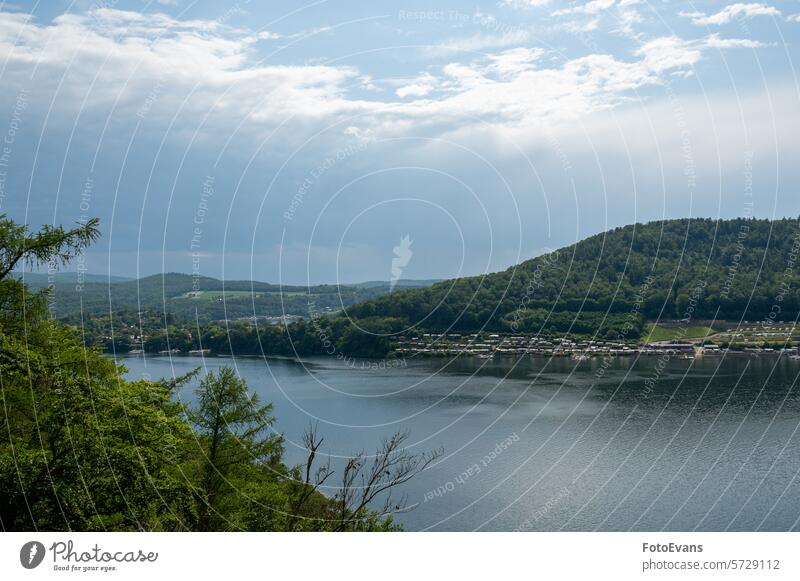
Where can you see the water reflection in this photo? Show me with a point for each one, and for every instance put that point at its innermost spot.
(619, 444)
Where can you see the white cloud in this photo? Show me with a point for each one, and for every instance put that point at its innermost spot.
(793, 18)
(360, 135)
(480, 42)
(419, 87)
(202, 68)
(267, 35)
(621, 13)
(668, 53)
(531, 95)
(525, 3)
(122, 55)
(714, 41)
(577, 27)
(515, 61)
(593, 7)
(727, 14)
(629, 16)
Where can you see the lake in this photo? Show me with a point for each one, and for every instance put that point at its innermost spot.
(552, 444)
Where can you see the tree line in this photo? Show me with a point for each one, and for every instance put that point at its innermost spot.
(604, 287)
(747, 268)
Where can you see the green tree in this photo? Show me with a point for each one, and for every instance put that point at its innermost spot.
(82, 448)
(236, 444)
(51, 244)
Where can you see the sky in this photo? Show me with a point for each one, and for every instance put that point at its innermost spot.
(342, 141)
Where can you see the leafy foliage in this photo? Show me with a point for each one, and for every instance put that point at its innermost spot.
(742, 268)
(82, 448)
(51, 244)
(236, 446)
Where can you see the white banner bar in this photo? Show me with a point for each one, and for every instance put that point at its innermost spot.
(400, 556)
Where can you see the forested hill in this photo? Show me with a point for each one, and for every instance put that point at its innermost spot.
(75, 298)
(703, 268)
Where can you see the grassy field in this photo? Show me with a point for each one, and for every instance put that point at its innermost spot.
(658, 333)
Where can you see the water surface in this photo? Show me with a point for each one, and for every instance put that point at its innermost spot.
(551, 444)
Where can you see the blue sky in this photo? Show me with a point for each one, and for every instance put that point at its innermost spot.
(302, 142)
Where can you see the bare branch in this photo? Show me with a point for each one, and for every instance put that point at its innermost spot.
(309, 486)
(391, 466)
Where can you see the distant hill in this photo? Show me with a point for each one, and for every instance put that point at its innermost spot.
(690, 272)
(695, 268)
(402, 283)
(185, 296)
(40, 280)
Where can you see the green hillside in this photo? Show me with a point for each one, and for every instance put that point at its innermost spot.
(698, 269)
(36, 280)
(185, 297)
(690, 275)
